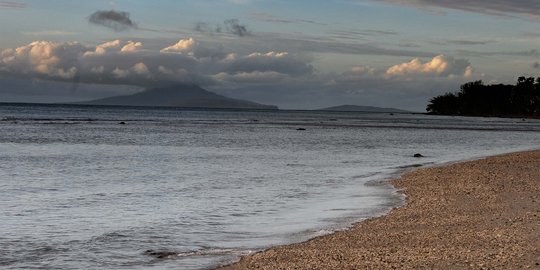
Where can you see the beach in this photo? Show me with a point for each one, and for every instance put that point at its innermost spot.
(481, 214)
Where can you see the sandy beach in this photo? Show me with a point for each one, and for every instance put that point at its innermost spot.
(482, 214)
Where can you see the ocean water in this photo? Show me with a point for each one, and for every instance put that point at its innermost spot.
(192, 189)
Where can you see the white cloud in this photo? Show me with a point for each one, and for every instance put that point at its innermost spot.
(229, 58)
(439, 66)
(141, 69)
(182, 46)
(131, 47)
(268, 55)
(121, 62)
(103, 48)
(56, 60)
(194, 48)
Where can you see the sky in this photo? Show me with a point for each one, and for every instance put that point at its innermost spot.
(303, 54)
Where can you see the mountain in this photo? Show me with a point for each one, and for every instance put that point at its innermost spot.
(356, 108)
(187, 96)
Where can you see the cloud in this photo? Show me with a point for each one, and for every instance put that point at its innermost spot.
(280, 62)
(302, 43)
(98, 69)
(358, 73)
(120, 73)
(361, 85)
(439, 66)
(182, 46)
(278, 77)
(54, 60)
(103, 48)
(403, 85)
(234, 27)
(139, 69)
(253, 77)
(440, 69)
(11, 5)
(529, 8)
(194, 48)
(116, 20)
(131, 47)
(230, 26)
(123, 62)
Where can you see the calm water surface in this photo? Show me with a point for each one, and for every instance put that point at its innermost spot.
(81, 191)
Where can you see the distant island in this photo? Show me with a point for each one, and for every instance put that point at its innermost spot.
(180, 95)
(497, 100)
(356, 108)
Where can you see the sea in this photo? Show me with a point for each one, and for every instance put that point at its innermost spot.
(97, 187)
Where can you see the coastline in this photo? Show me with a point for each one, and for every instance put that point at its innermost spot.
(474, 214)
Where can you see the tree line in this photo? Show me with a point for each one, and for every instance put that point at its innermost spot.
(502, 100)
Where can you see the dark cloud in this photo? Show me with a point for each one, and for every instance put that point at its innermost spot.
(203, 27)
(11, 5)
(529, 8)
(117, 20)
(234, 27)
(231, 26)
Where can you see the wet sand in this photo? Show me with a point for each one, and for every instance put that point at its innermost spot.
(482, 214)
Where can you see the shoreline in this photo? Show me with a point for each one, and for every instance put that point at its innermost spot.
(481, 213)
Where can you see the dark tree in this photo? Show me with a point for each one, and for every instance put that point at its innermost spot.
(446, 104)
(477, 99)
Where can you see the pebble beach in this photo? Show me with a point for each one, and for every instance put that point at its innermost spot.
(481, 214)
